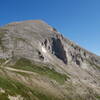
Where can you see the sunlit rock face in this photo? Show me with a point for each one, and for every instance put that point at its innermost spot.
(43, 44)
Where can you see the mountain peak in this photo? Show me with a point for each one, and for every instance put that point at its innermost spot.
(36, 55)
(35, 21)
(27, 21)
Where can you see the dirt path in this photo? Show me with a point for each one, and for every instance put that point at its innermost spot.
(13, 69)
(19, 70)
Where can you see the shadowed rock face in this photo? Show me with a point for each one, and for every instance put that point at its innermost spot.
(35, 55)
(58, 49)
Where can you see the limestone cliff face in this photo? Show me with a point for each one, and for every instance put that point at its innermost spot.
(39, 42)
(35, 39)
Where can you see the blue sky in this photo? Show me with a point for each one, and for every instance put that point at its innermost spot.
(78, 20)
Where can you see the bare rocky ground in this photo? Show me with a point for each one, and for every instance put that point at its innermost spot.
(38, 63)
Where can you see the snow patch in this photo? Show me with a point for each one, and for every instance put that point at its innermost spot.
(44, 50)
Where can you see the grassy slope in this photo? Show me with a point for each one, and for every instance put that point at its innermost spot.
(42, 70)
(15, 88)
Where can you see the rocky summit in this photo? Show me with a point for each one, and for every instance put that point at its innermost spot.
(38, 63)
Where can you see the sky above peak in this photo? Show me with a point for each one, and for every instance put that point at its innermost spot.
(78, 20)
